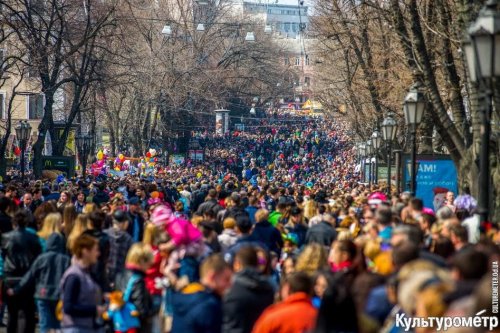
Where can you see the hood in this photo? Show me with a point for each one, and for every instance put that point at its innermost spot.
(191, 296)
(251, 279)
(56, 243)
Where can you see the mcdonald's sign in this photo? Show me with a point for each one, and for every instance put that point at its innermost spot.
(65, 164)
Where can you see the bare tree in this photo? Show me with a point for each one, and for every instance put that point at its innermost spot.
(61, 39)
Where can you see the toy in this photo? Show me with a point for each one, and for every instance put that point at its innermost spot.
(124, 315)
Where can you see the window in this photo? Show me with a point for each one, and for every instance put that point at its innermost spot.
(287, 26)
(297, 61)
(295, 27)
(279, 26)
(35, 106)
(3, 114)
(307, 60)
(287, 61)
(269, 11)
(282, 12)
(307, 81)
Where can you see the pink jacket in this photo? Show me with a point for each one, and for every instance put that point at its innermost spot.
(182, 232)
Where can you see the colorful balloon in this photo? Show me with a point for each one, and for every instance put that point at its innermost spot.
(148, 154)
(121, 157)
(100, 155)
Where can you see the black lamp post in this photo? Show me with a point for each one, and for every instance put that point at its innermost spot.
(83, 143)
(413, 107)
(376, 142)
(481, 50)
(369, 152)
(23, 132)
(389, 130)
(362, 154)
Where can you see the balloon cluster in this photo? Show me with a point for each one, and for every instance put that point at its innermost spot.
(119, 162)
(100, 165)
(148, 161)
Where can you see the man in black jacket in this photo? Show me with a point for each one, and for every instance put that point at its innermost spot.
(101, 197)
(19, 249)
(99, 272)
(249, 295)
(322, 233)
(210, 204)
(264, 232)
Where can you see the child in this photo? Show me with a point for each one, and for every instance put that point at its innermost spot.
(139, 260)
(186, 241)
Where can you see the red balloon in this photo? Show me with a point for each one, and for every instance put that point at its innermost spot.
(17, 151)
(148, 154)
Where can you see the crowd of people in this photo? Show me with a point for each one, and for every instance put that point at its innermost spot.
(274, 232)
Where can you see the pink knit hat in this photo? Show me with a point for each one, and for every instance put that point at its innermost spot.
(161, 215)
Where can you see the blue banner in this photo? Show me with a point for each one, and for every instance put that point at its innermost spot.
(435, 177)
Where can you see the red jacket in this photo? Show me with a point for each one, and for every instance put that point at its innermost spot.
(295, 314)
(153, 273)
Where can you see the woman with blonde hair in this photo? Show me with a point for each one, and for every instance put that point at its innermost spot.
(81, 225)
(89, 208)
(312, 259)
(51, 224)
(69, 215)
(310, 209)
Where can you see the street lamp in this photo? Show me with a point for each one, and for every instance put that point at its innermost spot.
(413, 108)
(200, 27)
(389, 130)
(23, 132)
(377, 142)
(482, 48)
(362, 152)
(83, 143)
(369, 152)
(268, 29)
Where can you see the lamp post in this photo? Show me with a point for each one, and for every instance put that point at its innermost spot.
(369, 152)
(83, 143)
(376, 142)
(23, 132)
(482, 48)
(389, 129)
(362, 154)
(397, 153)
(413, 108)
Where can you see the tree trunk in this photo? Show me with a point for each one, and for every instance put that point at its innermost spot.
(47, 124)
(426, 130)
(451, 137)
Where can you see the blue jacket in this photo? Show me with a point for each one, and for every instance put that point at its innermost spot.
(196, 310)
(269, 235)
(251, 210)
(47, 270)
(123, 318)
